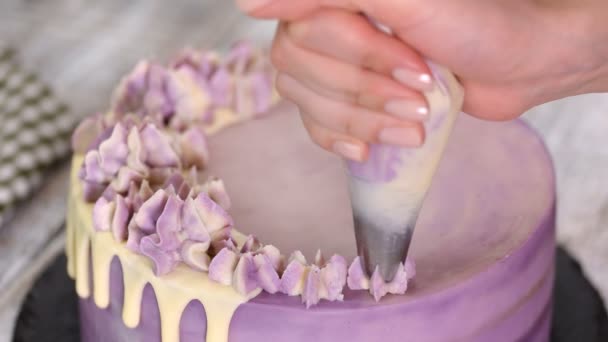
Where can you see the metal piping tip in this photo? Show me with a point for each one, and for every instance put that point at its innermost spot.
(382, 249)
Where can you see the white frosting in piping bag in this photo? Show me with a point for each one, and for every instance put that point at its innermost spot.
(388, 189)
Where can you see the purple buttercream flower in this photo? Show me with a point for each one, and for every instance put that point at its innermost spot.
(410, 268)
(194, 254)
(192, 223)
(292, 279)
(161, 154)
(274, 256)
(92, 190)
(149, 212)
(92, 170)
(125, 177)
(214, 216)
(222, 239)
(251, 244)
(109, 193)
(138, 195)
(85, 133)
(156, 101)
(103, 213)
(184, 191)
(267, 276)
(168, 225)
(358, 280)
(122, 215)
(245, 278)
(175, 180)
(128, 96)
(137, 154)
(164, 261)
(311, 293)
(333, 277)
(321, 280)
(244, 102)
(319, 259)
(193, 147)
(134, 236)
(221, 88)
(191, 100)
(239, 56)
(113, 151)
(253, 266)
(221, 268)
(399, 283)
(179, 225)
(216, 189)
(145, 152)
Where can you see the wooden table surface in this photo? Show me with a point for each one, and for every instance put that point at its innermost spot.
(82, 48)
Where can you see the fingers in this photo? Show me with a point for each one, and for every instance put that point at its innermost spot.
(334, 142)
(346, 82)
(351, 38)
(344, 119)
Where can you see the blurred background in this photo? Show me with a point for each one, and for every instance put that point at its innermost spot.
(80, 49)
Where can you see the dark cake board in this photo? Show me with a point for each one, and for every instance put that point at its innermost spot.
(50, 312)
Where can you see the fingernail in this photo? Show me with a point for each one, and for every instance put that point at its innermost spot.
(405, 137)
(251, 5)
(407, 109)
(348, 150)
(414, 79)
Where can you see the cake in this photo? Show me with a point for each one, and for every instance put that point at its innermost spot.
(162, 250)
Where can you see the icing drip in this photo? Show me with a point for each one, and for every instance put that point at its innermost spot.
(173, 291)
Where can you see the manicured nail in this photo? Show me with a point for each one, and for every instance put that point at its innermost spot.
(407, 109)
(405, 137)
(348, 150)
(414, 79)
(251, 5)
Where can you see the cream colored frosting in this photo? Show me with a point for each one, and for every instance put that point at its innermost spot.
(390, 204)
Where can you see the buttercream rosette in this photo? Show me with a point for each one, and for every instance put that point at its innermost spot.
(192, 90)
(196, 85)
(134, 151)
(377, 287)
(319, 280)
(141, 166)
(178, 223)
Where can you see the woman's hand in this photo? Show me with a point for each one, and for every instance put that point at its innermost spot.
(355, 85)
(343, 86)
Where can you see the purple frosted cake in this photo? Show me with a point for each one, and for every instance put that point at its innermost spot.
(200, 211)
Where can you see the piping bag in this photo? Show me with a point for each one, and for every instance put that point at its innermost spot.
(387, 191)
